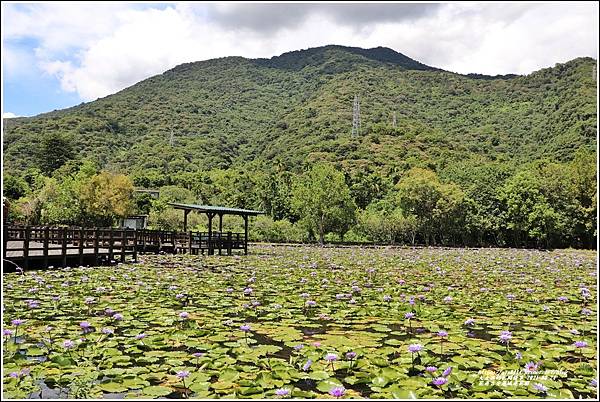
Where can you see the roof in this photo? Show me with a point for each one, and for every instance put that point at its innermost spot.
(218, 210)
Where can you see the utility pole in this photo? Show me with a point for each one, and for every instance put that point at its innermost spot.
(394, 120)
(356, 117)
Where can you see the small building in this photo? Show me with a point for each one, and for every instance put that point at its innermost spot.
(135, 222)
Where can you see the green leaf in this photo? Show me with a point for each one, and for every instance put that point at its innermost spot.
(328, 385)
(157, 390)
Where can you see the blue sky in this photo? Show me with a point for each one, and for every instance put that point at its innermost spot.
(57, 55)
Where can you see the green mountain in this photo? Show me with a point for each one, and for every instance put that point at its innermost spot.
(297, 108)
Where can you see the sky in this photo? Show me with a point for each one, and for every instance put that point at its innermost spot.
(57, 55)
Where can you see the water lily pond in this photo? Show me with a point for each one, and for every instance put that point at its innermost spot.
(307, 322)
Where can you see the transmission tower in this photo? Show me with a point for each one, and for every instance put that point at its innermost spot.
(356, 117)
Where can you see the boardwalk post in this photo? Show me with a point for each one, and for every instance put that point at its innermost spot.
(64, 247)
(96, 235)
(26, 247)
(4, 241)
(124, 241)
(190, 238)
(110, 246)
(46, 241)
(135, 240)
(81, 235)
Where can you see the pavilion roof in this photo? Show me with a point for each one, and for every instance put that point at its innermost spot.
(216, 209)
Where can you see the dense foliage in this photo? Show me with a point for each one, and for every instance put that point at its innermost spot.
(308, 322)
(467, 160)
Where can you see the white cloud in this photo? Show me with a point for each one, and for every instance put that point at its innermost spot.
(98, 49)
(9, 115)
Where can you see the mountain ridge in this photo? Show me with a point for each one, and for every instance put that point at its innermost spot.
(297, 107)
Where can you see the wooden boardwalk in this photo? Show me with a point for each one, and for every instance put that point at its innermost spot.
(41, 247)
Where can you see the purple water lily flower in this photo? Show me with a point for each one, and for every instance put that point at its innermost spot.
(540, 387)
(305, 295)
(247, 291)
(183, 374)
(580, 344)
(505, 336)
(245, 327)
(68, 344)
(431, 369)
(7, 332)
(337, 392)
(107, 331)
(447, 299)
(184, 315)
(331, 357)
(140, 336)
(311, 303)
(282, 392)
(298, 347)
(531, 367)
(350, 355)
(447, 372)
(439, 381)
(415, 347)
(442, 334)
(307, 365)
(563, 299)
(179, 296)
(198, 354)
(469, 321)
(33, 304)
(17, 322)
(408, 316)
(118, 317)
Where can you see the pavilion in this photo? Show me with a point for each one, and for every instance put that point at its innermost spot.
(217, 238)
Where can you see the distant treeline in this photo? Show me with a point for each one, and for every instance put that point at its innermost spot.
(541, 204)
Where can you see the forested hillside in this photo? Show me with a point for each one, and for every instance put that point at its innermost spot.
(241, 132)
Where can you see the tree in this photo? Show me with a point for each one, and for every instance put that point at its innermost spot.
(106, 197)
(54, 151)
(15, 187)
(528, 214)
(322, 200)
(436, 206)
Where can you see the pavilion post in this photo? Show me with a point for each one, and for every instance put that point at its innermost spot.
(220, 233)
(245, 234)
(185, 214)
(210, 245)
